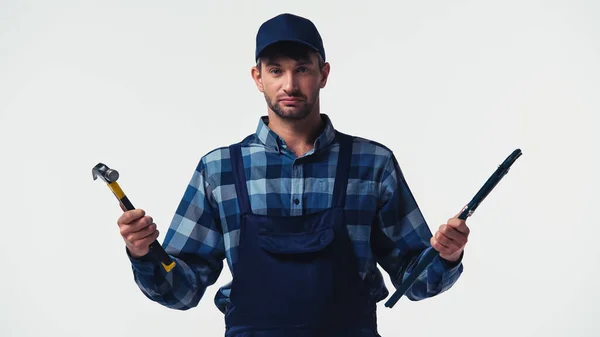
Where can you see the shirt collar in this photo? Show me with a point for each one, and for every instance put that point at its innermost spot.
(272, 141)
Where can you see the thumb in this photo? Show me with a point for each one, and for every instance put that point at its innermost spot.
(462, 210)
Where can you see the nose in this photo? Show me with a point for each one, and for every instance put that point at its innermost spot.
(289, 82)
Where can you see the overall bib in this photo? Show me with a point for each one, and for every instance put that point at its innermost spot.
(297, 275)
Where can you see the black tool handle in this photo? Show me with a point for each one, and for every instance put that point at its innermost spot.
(155, 247)
(467, 211)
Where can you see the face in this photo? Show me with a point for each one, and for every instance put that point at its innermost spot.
(291, 87)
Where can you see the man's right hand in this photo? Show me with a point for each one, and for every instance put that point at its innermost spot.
(138, 230)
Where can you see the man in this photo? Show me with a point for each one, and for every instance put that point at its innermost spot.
(302, 213)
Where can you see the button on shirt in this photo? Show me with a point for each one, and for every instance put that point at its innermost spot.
(384, 222)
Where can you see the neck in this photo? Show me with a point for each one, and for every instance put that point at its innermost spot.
(299, 135)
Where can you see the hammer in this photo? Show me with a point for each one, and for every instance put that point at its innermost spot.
(110, 176)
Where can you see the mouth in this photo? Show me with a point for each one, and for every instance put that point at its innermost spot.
(290, 100)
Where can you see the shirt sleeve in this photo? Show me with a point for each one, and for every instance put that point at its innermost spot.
(194, 241)
(402, 237)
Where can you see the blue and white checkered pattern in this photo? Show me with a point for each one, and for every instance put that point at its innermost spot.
(383, 219)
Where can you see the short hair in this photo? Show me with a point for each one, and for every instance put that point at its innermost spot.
(293, 50)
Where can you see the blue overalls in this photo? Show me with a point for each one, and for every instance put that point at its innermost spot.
(297, 275)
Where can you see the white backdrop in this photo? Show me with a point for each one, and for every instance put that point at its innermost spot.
(148, 87)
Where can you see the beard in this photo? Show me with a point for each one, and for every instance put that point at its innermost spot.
(299, 112)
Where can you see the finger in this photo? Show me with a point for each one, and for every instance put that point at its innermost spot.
(459, 225)
(453, 234)
(461, 211)
(441, 248)
(145, 241)
(136, 226)
(130, 216)
(139, 235)
(447, 242)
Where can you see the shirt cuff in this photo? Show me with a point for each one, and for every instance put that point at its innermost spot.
(143, 264)
(451, 264)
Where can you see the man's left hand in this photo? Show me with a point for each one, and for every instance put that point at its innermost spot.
(451, 238)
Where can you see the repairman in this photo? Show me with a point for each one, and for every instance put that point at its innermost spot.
(302, 213)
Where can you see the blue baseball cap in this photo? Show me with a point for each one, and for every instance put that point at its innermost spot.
(288, 27)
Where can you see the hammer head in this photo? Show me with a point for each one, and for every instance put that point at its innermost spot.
(105, 173)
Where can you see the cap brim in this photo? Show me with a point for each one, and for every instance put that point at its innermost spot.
(260, 51)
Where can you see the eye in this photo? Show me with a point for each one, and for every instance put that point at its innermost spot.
(303, 69)
(274, 71)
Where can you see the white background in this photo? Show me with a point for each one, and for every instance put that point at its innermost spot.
(148, 87)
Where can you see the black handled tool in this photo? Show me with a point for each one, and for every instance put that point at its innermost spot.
(110, 176)
(467, 212)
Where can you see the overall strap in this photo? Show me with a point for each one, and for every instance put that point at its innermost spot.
(237, 166)
(343, 169)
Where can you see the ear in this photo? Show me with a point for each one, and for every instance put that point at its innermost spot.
(256, 76)
(325, 74)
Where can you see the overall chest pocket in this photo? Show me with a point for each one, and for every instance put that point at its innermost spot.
(296, 243)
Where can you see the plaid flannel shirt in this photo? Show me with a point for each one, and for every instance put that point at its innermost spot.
(384, 221)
